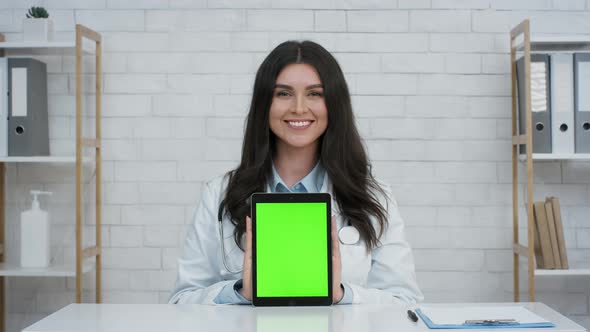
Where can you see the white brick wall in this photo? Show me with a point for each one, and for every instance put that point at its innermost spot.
(330, 21)
(430, 84)
(440, 21)
(377, 21)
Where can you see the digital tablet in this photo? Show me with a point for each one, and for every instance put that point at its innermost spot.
(291, 249)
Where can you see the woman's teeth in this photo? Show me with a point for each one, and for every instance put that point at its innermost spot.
(299, 123)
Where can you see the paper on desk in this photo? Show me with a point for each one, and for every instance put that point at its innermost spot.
(458, 315)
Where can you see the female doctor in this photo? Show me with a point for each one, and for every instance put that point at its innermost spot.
(300, 137)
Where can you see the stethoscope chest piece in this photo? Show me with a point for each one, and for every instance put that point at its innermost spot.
(348, 235)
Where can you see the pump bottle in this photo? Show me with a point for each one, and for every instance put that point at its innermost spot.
(34, 239)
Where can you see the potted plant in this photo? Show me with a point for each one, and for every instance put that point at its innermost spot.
(37, 26)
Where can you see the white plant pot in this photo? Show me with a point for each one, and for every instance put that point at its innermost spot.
(37, 29)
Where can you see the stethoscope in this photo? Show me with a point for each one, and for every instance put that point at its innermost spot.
(347, 235)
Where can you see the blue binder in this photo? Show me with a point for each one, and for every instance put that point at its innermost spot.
(487, 324)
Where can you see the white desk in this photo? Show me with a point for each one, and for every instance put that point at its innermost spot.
(192, 318)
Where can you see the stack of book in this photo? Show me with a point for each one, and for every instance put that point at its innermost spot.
(550, 252)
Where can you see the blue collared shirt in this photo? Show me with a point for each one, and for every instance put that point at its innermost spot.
(311, 183)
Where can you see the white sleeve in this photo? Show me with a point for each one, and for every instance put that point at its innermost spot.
(199, 279)
(392, 277)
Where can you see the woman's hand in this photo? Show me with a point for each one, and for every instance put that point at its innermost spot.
(246, 290)
(337, 289)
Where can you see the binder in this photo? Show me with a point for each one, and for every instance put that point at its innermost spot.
(562, 103)
(582, 102)
(3, 107)
(553, 235)
(559, 230)
(544, 239)
(480, 317)
(540, 102)
(28, 127)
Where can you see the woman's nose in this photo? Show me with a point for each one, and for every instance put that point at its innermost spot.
(300, 106)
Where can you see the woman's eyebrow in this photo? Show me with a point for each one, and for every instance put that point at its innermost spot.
(288, 87)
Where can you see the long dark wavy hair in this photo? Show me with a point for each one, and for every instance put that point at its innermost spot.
(341, 151)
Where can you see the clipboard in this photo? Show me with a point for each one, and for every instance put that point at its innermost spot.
(483, 317)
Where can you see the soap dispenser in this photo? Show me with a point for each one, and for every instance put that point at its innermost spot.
(34, 234)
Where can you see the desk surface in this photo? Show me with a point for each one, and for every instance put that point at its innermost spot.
(191, 318)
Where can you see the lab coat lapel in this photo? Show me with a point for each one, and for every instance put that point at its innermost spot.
(327, 187)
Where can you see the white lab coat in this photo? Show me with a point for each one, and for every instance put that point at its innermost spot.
(384, 275)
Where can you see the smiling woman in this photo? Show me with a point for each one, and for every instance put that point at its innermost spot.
(298, 116)
(300, 137)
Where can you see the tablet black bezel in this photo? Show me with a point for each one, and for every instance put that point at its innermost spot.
(292, 198)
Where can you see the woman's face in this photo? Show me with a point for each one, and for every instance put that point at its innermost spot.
(298, 114)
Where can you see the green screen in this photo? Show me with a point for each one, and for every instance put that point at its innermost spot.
(291, 249)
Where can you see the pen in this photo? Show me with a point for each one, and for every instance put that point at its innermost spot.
(412, 316)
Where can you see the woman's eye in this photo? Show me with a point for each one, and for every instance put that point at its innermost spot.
(283, 93)
(315, 94)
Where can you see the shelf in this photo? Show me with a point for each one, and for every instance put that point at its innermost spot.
(69, 160)
(13, 270)
(521, 41)
(30, 45)
(557, 156)
(565, 272)
(87, 150)
(52, 47)
(560, 39)
(557, 44)
(39, 159)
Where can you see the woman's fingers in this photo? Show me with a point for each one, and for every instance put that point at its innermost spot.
(337, 292)
(249, 237)
(335, 244)
(246, 290)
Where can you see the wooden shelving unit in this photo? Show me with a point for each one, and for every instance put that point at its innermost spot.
(82, 265)
(522, 41)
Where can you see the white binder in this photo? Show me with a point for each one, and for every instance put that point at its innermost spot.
(540, 102)
(3, 107)
(582, 102)
(562, 103)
